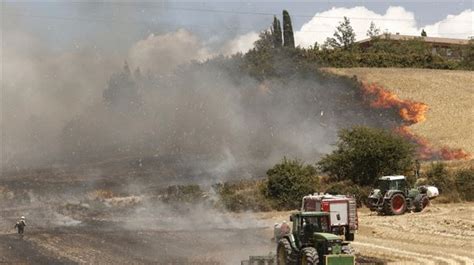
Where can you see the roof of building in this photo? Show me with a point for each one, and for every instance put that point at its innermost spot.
(392, 177)
(426, 39)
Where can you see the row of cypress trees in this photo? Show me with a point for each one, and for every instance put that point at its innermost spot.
(285, 39)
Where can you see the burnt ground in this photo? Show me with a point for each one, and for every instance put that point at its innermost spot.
(70, 223)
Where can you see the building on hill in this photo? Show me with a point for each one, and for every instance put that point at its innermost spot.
(445, 47)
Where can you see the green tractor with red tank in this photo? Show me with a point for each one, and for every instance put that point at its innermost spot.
(311, 242)
(393, 196)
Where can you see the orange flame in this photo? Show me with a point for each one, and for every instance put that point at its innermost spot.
(411, 112)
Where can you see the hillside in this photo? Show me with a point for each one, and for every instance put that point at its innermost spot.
(448, 94)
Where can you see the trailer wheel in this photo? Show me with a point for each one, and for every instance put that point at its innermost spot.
(309, 256)
(284, 253)
(396, 205)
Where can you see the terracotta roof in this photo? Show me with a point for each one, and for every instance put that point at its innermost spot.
(426, 39)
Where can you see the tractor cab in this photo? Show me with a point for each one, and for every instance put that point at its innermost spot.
(387, 183)
(306, 224)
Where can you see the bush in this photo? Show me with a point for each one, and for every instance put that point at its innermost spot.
(464, 179)
(439, 176)
(243, 195)
(349, 188)
(363, 154)
(288, 182)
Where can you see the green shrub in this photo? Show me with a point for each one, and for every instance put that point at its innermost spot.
(364, 154)
(439, 176)
(288, 182)
(349, 188)
(243, 195)
(464, 179)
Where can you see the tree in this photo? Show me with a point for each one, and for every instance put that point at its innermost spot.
(468, 55)
(276, 32)
(344, 36)
(288, 38)
(423, 33)
(373, 31)
(363, 154)
(265, 41)
(289, 181)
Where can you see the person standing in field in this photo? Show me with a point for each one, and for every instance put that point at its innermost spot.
(20, 225)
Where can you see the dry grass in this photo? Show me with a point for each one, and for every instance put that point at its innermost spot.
(449, 95)
(101, 194)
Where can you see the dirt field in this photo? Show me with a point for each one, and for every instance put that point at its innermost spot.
(449, 95)
(441, 234)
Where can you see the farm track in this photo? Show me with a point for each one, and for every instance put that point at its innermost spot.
(441, 234)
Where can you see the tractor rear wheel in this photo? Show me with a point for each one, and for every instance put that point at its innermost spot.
(284, 253)
(396, 205)
(309, 256)
(421, 202)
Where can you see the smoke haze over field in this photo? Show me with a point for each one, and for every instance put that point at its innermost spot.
(83, 105)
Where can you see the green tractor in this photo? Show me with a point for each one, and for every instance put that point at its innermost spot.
(311, 242)
(393, 196)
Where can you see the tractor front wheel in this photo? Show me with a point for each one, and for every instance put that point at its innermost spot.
(396, 205)
(421, 202)
(309, 256)
(284, 253)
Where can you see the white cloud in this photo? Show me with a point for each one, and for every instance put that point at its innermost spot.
(395, 19)
(454, 26)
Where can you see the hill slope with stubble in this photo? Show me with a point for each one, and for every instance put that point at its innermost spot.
(448, 94)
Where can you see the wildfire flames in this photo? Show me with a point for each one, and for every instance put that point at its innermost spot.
(411, 112)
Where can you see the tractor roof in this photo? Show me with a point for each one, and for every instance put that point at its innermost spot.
(392, 177)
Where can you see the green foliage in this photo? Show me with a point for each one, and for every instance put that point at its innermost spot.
(288, 38)
(439, 176)
(468, 56)
(264, 42)
(464, 179)
(288, 182)
(363, 154)
(423, 33)
(347, 187)
(276, 33)
(344, 36)
(243, 195)
(373, 31)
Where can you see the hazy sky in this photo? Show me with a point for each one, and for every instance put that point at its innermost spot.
(67, 25)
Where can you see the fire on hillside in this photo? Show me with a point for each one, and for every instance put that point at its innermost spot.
(410, 112)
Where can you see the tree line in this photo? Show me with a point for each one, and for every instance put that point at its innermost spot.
(342, 50)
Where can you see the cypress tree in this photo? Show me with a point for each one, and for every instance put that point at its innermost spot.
(277, 35)
(288, 38)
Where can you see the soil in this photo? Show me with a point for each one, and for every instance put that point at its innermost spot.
(65, 226)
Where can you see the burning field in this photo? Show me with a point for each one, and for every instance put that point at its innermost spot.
(435, 105)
